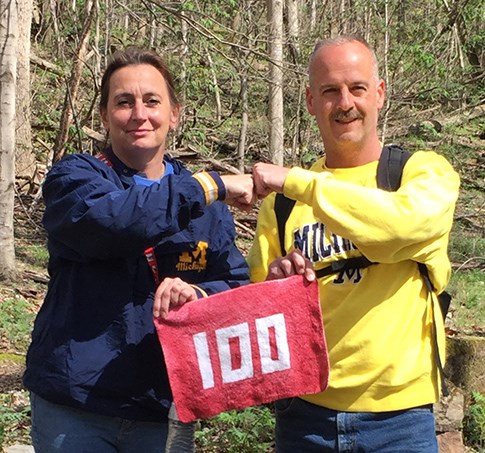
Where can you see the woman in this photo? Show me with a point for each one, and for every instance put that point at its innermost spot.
(121, 225)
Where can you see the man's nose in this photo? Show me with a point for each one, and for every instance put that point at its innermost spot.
(345, 100)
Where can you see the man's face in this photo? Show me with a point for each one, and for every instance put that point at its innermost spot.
(345, 96)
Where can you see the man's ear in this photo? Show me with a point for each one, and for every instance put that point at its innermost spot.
(381, 93)
(309, 101)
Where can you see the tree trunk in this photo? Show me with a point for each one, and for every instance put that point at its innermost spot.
(8, 73)
(313, 15)
(293, 14)
(241, 146)
(25, 163)
(108, 26)
(386, 71)
(73, 86)
(275, 110)
(55, 26)
(183, 52)
(217, 97)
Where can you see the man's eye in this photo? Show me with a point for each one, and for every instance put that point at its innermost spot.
(153, 102)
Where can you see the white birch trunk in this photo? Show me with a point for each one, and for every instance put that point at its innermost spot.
(8, 75)
(292, 9)
(386, 71)
(24, 158)
(275, 110)
(313, 15)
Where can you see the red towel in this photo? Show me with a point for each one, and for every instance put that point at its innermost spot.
(247, 346)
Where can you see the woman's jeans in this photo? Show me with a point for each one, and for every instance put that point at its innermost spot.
(61, 429)
(307, 428)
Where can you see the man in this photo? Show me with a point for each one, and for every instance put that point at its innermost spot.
(378, 320)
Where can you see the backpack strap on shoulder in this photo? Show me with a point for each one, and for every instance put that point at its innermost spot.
(390, 167)
(282, 208)
(389, 174)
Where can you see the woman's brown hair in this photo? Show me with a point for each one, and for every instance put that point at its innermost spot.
(136, 56)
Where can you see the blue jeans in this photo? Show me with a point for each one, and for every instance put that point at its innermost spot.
(307, 428)
(62, 429)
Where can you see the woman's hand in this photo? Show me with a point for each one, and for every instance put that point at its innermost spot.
(239, 191)
(172, 292)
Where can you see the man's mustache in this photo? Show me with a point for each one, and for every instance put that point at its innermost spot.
(348, 115)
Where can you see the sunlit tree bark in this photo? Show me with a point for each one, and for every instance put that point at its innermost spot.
(275, 108)
(24, 158)
(8, 70)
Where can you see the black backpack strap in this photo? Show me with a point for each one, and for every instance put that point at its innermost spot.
(342, 265)
(390, 167)
(282, 208)
(389, 175)
(444, 300)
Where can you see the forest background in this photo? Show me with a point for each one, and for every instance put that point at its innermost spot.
(241, 73)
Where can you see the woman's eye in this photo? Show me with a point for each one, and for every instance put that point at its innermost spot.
(123, 103)
(153, 102)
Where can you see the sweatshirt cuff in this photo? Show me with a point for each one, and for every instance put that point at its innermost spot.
(297, 182)
(212, 186)
(199, 291)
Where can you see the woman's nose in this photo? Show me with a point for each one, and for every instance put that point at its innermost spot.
(139, 111)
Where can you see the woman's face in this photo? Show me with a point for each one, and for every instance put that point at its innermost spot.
(139, 114)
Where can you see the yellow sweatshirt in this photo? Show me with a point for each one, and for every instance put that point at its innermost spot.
(378, 320)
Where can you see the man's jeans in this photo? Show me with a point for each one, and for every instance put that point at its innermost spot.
(61, 429)
(307, 428)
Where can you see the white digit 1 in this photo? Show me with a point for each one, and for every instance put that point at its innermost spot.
(204, 360)
(276, 325)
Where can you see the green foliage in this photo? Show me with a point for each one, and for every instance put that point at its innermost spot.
(425, 131)
(34, 254)
(468, 290)
(246, 431)
(427, 74)
(474, 422)
(16, 320)
(464, 248)
(14, 421)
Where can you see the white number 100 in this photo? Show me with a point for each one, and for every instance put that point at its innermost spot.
(235, 352)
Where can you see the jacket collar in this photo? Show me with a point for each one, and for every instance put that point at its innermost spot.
(124, 170)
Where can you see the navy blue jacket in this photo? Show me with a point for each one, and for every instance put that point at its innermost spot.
(94, 344)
